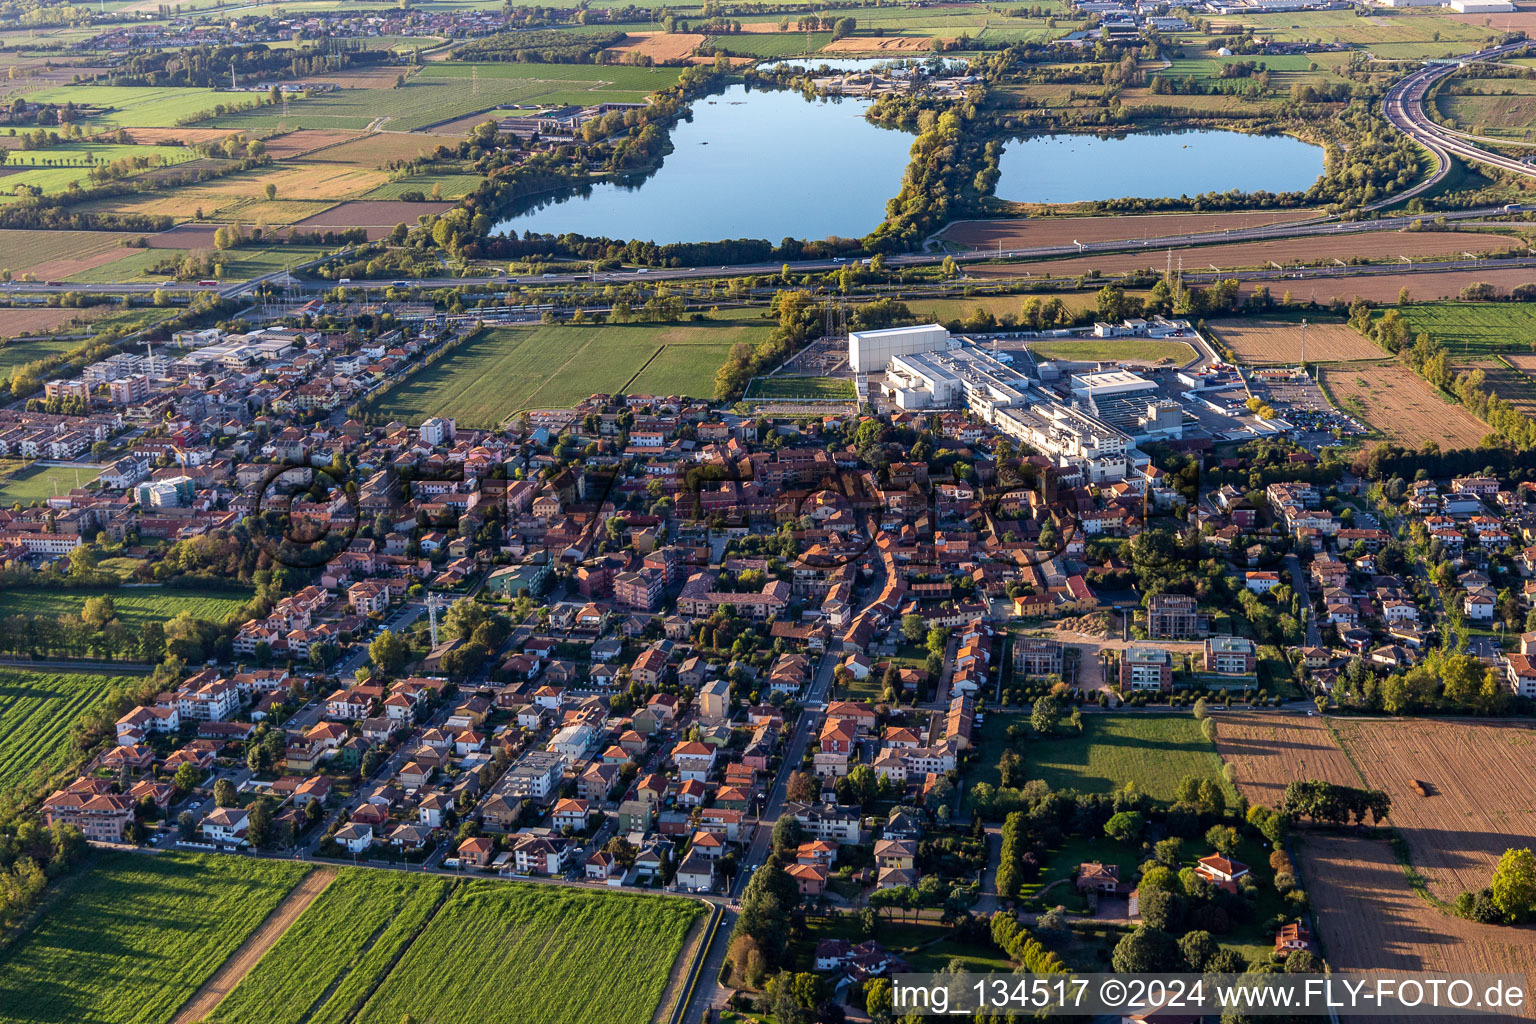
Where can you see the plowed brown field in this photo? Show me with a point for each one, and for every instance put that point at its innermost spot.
(1260, 342)
(1482, 777)
(986, 234)
(1269, 751)
(1384, 287)
(879, 44)
(1370, 919)
(1381, 246)
(661, 47)
(1399, 403)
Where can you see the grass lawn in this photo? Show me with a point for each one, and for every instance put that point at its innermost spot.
(1152, 751)
(1061, 866)
(1476, 328)
(927, 945)
(135, 605)
(37, 710)
(131, 939)
(502, 371)
(31, 484)
(811, 388)
(1110, 350)
(501, 953)
(18, 353)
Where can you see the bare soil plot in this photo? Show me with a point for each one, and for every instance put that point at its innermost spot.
(661, 47)
(379, 148)
(1260, 342)
(25, 250)
(1384, 287)
(26, 321)
(306, 140)
(1506, 21)
(184, 236)
(372, 213)
(1269, 751)
(1457, 833)
(987, 234)
(1401, 404)
(1370, 919)
(879, 44)
(251, 950)
(1380, 246)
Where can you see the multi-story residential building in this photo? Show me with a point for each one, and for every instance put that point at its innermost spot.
(1036, 656)
(536, 775)
(1174, 617)
(1230, 656)
(1146, 668)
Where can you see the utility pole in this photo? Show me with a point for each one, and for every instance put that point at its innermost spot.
(1303, 345)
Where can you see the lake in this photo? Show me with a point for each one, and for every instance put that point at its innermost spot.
(1081, 168)
(747, 165)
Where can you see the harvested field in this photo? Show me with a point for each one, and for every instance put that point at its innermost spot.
(1371, 920)
(55, 270)
(1260, 342)
(306, 140)
(988, 234)
(251, 950)
(1377, 246)
(1401, 405)
(185, 136)
(379, 148)
(1457, 833)
(1269, 751)
(379, 216)
(28, 249)
(1515, 386)
(383, 77)
(880, 44)
(661, 47)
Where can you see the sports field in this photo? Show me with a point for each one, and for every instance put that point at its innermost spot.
(134, 605)
(132, 938)
(1112, 350)
(1154, 752)
(503, 371)
(37, 711)
(31, 484)
(805, 388)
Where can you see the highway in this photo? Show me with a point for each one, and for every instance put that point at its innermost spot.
(1404, 109)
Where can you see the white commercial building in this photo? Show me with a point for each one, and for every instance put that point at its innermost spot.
(1481, 6)
(871, 351)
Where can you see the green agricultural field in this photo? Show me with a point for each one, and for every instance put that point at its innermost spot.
(53, 170)
(134, 605)
(1389, 34)
(19, 353)
(34, 484)
(449, 186)
(131, 107)
(502, 371)
(1153, 751)
(330, 957)
(37, 710)
(770, 45)
(501, 953)
(805, 388)
(1476, 328)
(440, 93)
(1111, 349)
(134, 937)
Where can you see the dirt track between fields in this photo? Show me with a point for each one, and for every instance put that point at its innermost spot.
(243, 959)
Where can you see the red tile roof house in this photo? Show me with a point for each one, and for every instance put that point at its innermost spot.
(476, 852)
(1221, 872)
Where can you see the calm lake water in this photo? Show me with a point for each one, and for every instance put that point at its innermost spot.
(1078, 168)
(749, 165)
